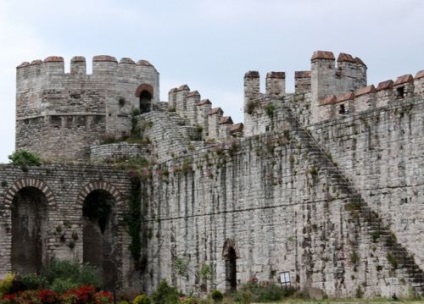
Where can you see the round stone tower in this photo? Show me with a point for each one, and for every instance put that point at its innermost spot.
(59, 115)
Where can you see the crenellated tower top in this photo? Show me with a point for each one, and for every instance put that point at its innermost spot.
(72, 110)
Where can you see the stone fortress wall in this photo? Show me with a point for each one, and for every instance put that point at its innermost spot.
(323, 185)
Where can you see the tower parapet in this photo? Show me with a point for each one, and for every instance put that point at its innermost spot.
(275, 84)
(203, 109)
(419, 83)
(181, 98)
(302, 82)
(104, 65)
(78, 65)
(193, 98)
(54, 109)
(252, 99)
(252, 91)
(54, 65)
(404, 86)
(256, 121)
(386, 93)
(329, 79)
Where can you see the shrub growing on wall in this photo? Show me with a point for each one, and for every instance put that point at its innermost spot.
(24, 158)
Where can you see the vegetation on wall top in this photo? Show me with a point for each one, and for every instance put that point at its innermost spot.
(24, 158)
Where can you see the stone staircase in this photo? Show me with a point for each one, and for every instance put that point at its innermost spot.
(171, 134)
(398, 256)
(165, 134)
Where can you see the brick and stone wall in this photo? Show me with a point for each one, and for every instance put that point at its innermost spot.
(64, 189)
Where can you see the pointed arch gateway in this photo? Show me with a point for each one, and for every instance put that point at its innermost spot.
(230, 254)
(29, 201)
(145, 94)
(101, 248)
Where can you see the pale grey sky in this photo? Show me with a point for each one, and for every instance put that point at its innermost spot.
(209, 44)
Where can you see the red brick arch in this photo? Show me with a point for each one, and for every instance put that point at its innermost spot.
(29, 182)
(143, 87)
(99, 185)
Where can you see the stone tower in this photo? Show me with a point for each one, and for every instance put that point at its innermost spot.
(59, 115)
(328, 79)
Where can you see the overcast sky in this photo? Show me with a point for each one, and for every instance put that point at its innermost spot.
(209, 44)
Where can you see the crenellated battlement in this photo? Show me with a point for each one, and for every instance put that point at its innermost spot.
(78, 65)
(200, 113)
(371, 97)
(333, 87)
(331, 77)
(51, 102)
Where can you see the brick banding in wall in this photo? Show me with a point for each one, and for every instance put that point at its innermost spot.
(99, 185)
(29, 182)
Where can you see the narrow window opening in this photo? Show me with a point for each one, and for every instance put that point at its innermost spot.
(400, 92)
(342, 109)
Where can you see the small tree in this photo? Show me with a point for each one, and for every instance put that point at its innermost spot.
(24, 158)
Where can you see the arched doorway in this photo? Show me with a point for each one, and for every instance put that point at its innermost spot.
(230, 256)
(145, 102)
(231, 269)
(99, 229)
(29, 230)
(145, 94)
